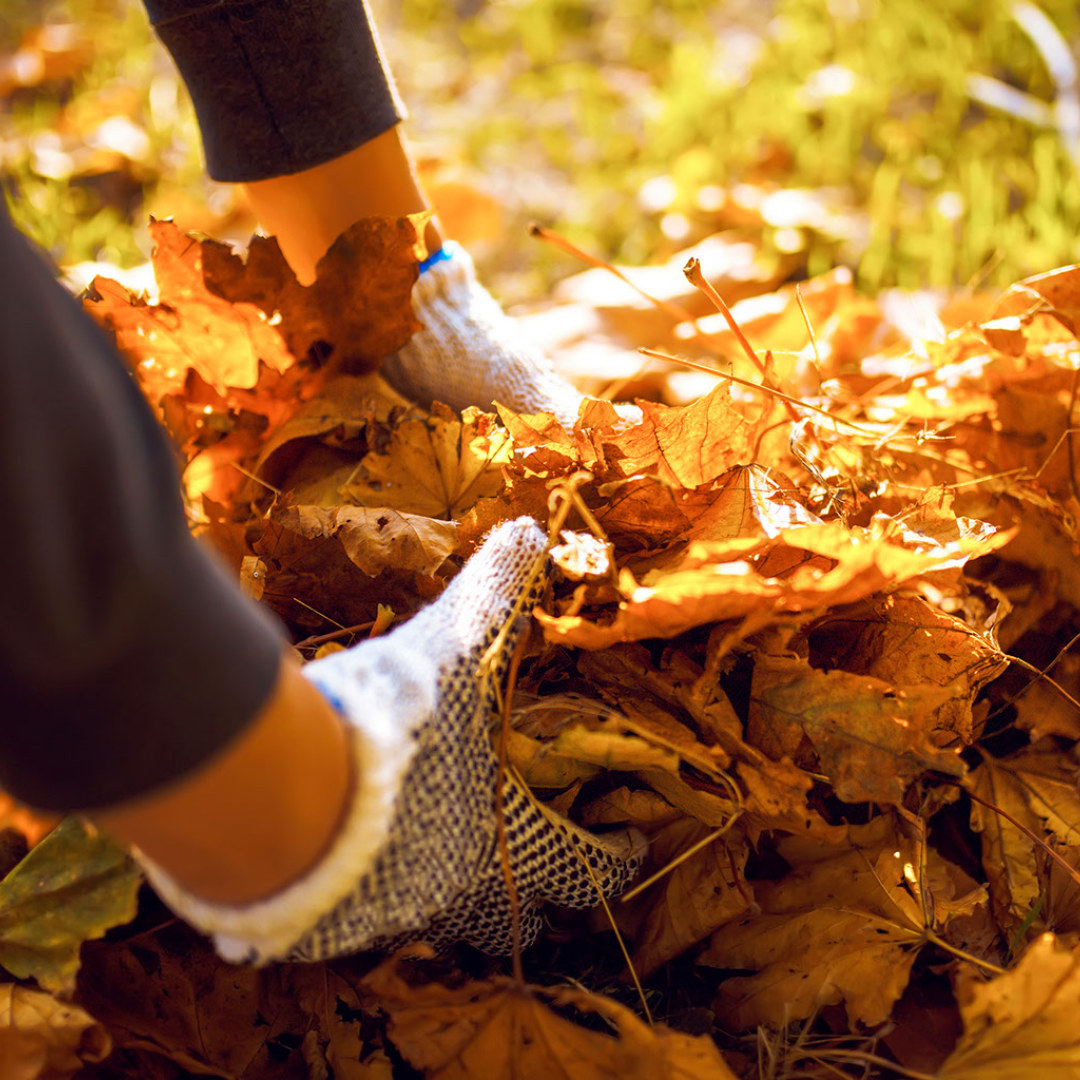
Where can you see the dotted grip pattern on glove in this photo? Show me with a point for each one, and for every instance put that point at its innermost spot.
(419, 856)
(440, 875)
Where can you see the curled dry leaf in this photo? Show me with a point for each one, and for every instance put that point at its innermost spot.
(776, 799)
(1023, 1023)
(803, 569)
(343, 407)
(336, 1043)
(44, 1039)
(497, 1029)
(582, 556)
(376, 540)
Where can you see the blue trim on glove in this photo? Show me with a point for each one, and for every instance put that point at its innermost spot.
(444, 253)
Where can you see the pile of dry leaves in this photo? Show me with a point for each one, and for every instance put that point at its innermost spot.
(799, 635)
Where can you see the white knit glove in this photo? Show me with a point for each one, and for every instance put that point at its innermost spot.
(471, 353)
(418, 855)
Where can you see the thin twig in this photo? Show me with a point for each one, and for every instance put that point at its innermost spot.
(618, 936)
(322, 639)
(809, 325)
(870, 1059)
(675, 311)
(758, 386)
(693, 273)
(679, 859)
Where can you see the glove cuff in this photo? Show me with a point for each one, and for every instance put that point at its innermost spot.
(470, 352)
(382, 740)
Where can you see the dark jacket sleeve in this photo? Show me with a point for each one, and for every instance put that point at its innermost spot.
(278, 85)
(127, 657)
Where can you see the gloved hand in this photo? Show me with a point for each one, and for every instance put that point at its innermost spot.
(418, 855)
(471, 353)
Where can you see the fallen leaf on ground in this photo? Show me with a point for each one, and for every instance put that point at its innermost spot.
(170, 995)
(376, 539)
(71, 888)
(840, 926)
(1038, 790)
(1021, 1024)
(497, 1029)
(702, 893)
(44, 1039)
(437, 467)
(871, 739)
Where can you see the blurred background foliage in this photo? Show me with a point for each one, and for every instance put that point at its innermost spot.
(921, 142)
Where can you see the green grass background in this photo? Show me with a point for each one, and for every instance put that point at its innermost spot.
(615, 121)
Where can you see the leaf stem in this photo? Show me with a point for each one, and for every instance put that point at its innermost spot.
(869, 1059)
(941, 943)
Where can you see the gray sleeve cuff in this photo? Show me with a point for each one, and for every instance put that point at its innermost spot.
(279, 86)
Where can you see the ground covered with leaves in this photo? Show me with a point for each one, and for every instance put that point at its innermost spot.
(812, 618)
(800, 634)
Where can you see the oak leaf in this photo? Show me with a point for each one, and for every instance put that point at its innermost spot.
(72, 887)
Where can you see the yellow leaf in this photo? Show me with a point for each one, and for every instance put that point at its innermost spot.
(495, 1030)
(44, 1039)
(700, 894)
(871, 739)
(840, 926)
(438, 467)
(189, 327)
(1023, 1024)
(1040, 791)
(375, 540)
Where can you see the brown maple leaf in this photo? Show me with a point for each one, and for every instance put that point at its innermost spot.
(497, 1029)
(840, 926)
(438, 466)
